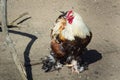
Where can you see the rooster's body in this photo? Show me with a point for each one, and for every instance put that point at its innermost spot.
(69, 38)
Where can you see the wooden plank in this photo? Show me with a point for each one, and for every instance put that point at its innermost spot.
(9, 41)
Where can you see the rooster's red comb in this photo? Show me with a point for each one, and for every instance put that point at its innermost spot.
(68, 13)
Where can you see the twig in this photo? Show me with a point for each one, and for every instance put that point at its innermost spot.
(34, 62)
(17, 21)
(20, 16)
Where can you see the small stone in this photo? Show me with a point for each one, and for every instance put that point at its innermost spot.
(79, 77)
(96, 72)
(87, 77)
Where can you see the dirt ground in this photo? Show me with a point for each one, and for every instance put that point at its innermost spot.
(32, 39)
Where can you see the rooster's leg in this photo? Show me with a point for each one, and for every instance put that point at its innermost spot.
(58, 65)
(73, 66)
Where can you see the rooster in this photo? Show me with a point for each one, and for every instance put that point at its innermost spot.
(69, 39)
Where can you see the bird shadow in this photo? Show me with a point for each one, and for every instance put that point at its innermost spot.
(26, 52)
(91, 56)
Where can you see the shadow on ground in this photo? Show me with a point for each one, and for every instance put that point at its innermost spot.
(91, 56)
(26, 52)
